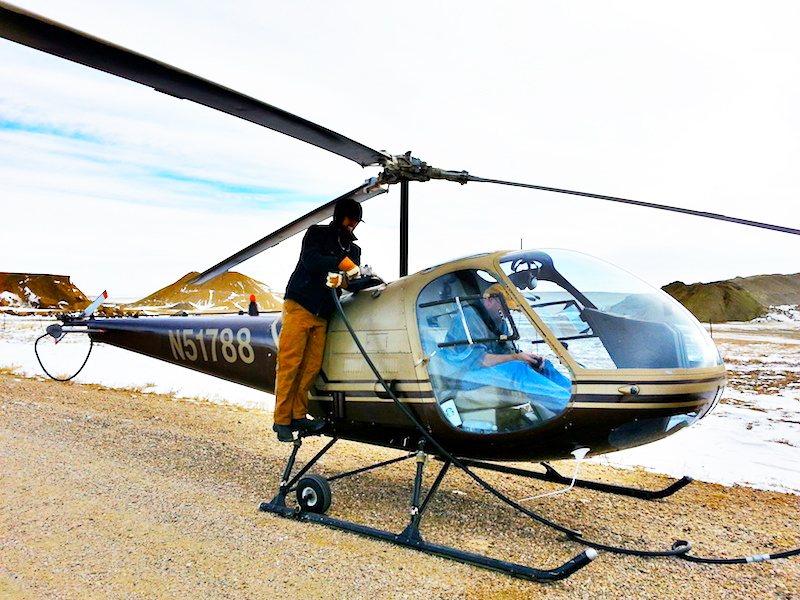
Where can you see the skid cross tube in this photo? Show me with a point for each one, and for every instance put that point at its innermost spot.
(291, 484)
(384, 463)
(553, 476)
(435, 485)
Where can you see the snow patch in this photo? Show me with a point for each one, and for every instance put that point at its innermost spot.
(10, 299)
(781, 314)
(32, 298)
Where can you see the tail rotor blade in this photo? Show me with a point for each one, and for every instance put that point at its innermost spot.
(360, 194)
(32, 30)
(90, 310)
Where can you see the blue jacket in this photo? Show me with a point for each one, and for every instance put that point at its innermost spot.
(324, 247)
(481, 327)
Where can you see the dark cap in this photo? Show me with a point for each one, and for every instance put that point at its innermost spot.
(346, 207)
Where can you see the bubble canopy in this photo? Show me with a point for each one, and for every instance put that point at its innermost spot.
(503, 360)
(605, 317)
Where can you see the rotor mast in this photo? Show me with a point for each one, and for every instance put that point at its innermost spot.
(402, 169)
(403, 227)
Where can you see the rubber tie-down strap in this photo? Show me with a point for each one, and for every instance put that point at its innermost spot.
(85, 360)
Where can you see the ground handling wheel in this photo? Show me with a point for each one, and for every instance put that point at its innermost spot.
(314, 494)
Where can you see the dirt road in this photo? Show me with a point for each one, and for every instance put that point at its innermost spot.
(117, 494)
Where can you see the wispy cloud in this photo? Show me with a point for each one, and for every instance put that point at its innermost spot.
(71, 134)
(600, 99)
(225, 187)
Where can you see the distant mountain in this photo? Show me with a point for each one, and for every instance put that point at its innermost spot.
(229, 292)
(772, 290)
(739, 299)
(716, 302)
(40, 291)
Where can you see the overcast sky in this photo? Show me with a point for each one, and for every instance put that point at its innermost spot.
(693, 104)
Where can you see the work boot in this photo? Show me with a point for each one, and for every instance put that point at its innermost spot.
(307, 425)
(284, 432)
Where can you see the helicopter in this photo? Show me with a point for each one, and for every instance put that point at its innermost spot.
(635, 365)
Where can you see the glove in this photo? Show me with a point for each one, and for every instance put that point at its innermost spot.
(349, 267)
(334, 280)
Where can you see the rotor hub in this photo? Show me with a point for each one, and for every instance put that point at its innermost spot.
(406, 167)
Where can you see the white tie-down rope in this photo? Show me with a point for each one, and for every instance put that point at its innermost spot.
(579, 455)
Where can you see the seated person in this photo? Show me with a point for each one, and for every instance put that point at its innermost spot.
(497, 363)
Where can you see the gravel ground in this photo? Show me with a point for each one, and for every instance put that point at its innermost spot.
(118, 494)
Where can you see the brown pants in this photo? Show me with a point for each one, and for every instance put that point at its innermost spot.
(300, 350)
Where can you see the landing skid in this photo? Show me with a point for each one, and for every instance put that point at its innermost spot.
(314, 497)
(552, 476)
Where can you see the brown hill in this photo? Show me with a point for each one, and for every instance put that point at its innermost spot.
(738, 299)
(40, 291)
(716, 302)
(230, 291)
(772, 290)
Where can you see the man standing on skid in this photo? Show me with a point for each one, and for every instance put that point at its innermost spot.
(327, 250)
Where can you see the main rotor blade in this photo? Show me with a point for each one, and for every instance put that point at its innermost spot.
(686, 211)
(360, 194)
(32, 30)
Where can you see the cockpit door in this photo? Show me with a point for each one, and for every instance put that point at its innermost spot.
(472, 332)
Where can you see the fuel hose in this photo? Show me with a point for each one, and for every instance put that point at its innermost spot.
(677, 549)
(680, 548)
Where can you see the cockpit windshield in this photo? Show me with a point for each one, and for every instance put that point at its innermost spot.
(605, 317)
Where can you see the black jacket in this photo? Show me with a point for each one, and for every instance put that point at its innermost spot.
(324, 247)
